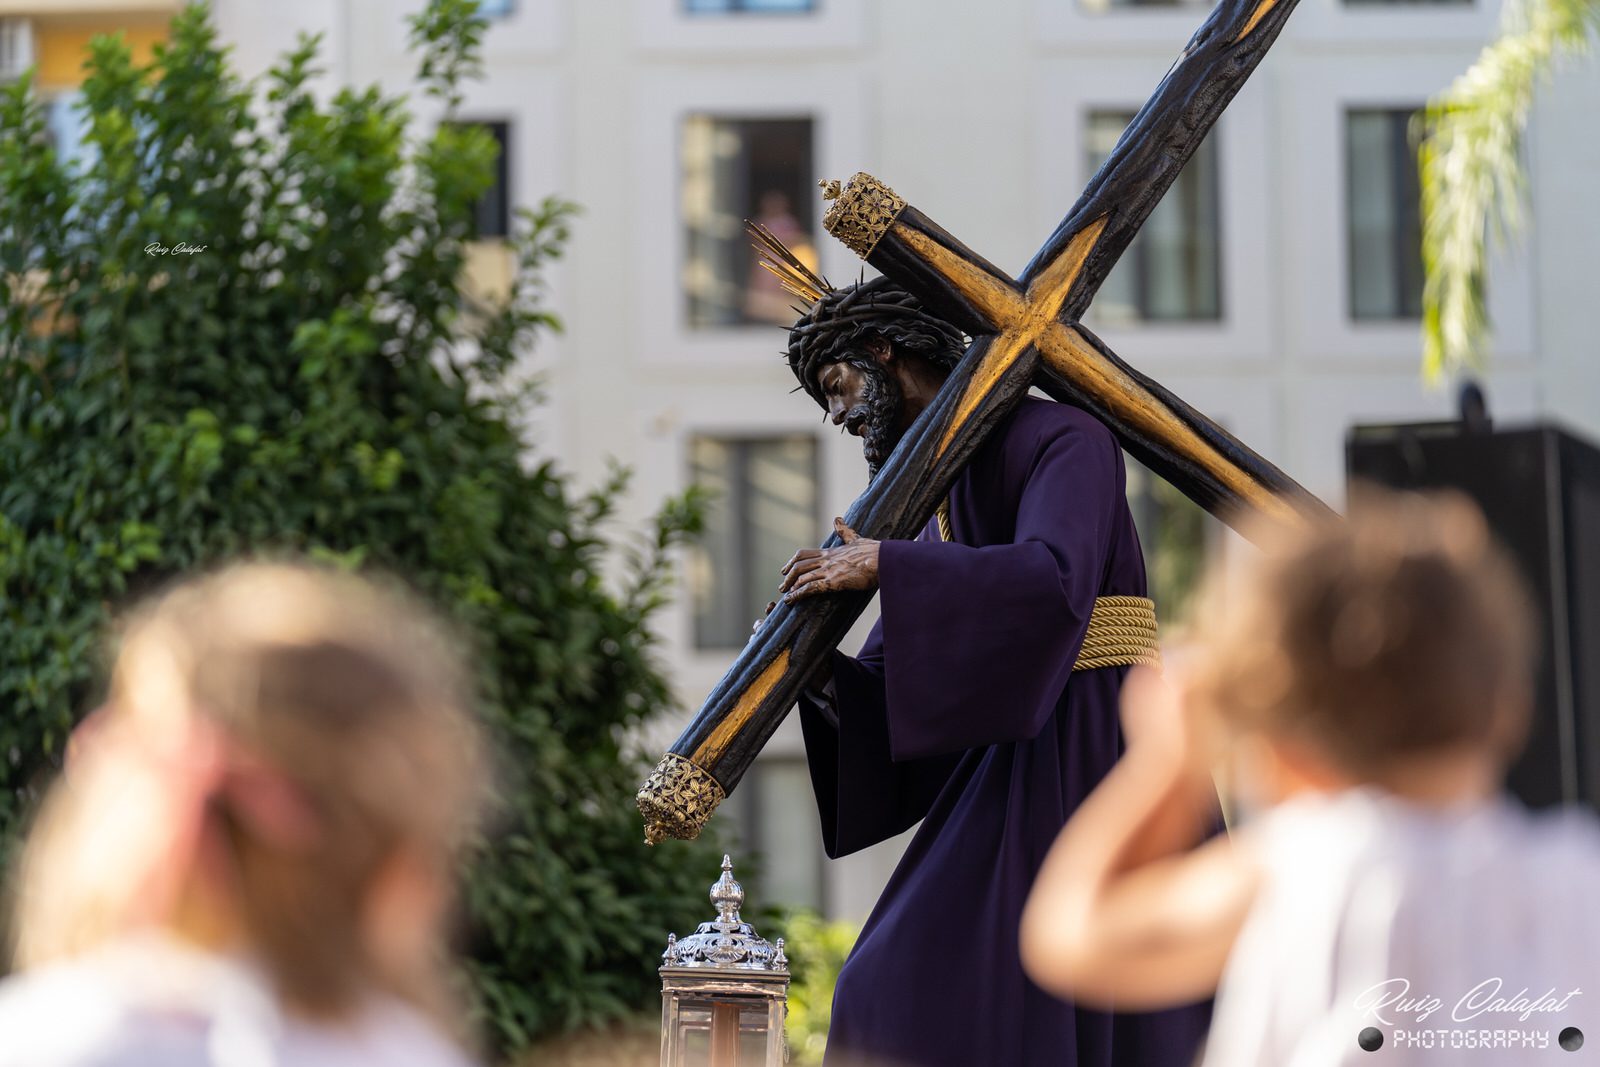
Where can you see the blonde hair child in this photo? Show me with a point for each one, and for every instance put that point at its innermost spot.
(1367, 684)
(249, 857)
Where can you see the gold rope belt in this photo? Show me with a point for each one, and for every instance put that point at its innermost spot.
(1122, 633)
(1122, 629)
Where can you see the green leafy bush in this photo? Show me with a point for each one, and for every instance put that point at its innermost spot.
(816, 950)
(316, 381)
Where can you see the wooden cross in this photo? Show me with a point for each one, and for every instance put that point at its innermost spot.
(1025, 332)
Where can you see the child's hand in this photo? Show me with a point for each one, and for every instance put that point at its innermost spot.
(1160, 724)
(1126, 911)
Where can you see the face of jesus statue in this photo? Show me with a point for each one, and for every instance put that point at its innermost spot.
(866, 397)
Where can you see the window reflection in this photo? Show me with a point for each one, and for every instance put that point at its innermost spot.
(1385, 215)
(740, 7)
(777, 822)
(764, 507)
(1171, 272)
(1177, 537)
(736, 169)
(492, 214)
(1108, 5)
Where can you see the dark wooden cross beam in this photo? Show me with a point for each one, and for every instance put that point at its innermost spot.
(1191, 451)
(1024, 331)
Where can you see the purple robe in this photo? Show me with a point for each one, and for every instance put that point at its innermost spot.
(962, 710)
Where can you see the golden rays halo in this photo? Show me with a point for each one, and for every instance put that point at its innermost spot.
(796, 278)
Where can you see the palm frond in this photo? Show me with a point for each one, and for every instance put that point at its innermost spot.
(1470, 158)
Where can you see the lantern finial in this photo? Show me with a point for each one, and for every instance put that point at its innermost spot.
(727, 896)
(726, 942)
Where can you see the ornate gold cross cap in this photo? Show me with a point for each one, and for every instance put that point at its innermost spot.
(677, 799)
(859, 212)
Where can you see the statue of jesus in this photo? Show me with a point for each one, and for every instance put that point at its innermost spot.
(983, 704)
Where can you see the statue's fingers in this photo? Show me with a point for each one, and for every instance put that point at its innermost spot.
(799, 557)
(809, 576)
(846, 534)
(804, 553)
(805, 566)
(815, 581)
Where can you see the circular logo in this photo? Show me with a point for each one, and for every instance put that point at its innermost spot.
(1371, 1039)
(1571, 1039)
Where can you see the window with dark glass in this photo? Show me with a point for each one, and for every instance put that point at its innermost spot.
(1109, 5)
(734, 169)
(763, 507)
(1176, 536)
(1172, 270)
(1408, 3)
(491, 216)
(776, 818)
(1384, 203)
(749, 7)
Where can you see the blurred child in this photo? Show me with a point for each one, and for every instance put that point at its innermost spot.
(1368, 685)
(249, 857)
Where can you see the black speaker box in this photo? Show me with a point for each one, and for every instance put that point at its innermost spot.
(1539, 487)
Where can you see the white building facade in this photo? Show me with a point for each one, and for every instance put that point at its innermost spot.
(1276, 290)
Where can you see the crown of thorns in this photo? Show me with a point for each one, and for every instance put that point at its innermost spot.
(838, 322)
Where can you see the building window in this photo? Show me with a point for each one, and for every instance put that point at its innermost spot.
(1177, 537)
(763, 508)
(1385, 213)
(491, 216)
(1172, 270)
(16, 48)
(732, 170)
(496, 9)
(66, 127)
(777, 822)
(749, 7)
(1175, 5)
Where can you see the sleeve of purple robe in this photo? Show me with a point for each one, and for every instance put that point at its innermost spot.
(979, 642)
(974, 646)
(863, 795)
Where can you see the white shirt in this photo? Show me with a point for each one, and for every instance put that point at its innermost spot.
(1467, 936)
(149, 1001)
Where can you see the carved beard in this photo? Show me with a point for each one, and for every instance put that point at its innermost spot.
(881, 403)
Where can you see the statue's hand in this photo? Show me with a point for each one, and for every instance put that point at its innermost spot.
(852, 565)
(755, 628)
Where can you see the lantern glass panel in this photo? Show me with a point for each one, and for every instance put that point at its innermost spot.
(731, 1032)
(694, 1035)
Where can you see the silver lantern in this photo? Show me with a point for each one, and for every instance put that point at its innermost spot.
(724, 990)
